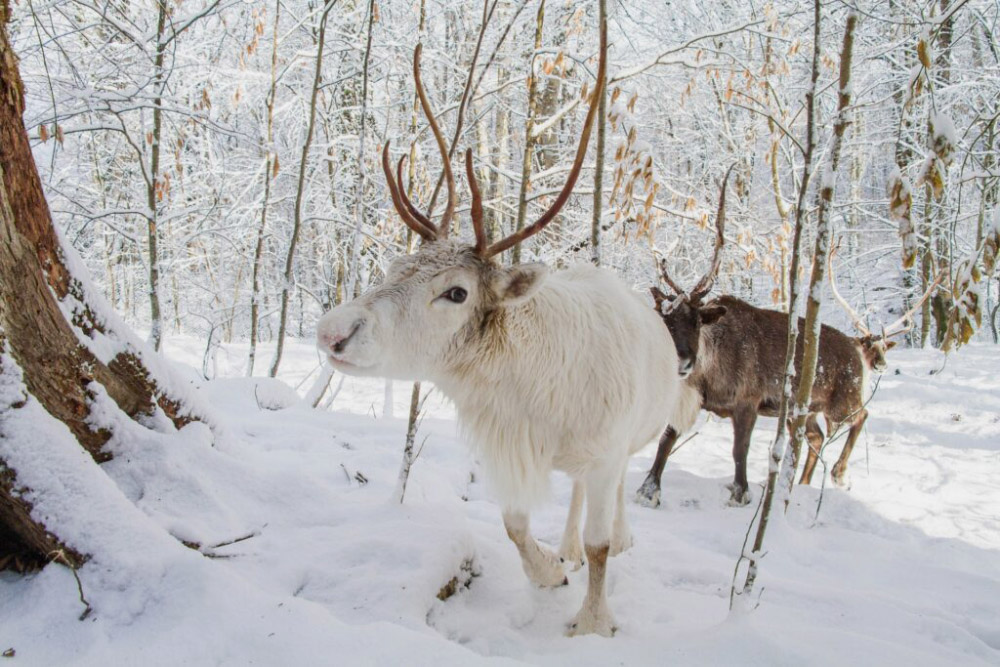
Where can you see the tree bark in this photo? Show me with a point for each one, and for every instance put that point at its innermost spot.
(269, 173)
(602, 117)
(289, 275)
(153, 191)
(940, 304)
(40, 346)
(25, 543)
(811, 333)
(529, 140)
(414, 414)
(779, 451)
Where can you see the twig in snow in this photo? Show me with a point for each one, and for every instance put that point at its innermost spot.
(60, 555)
(422, 443)
(340, 385)
(234, 541)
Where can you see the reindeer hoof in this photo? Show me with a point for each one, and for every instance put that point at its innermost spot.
(841, 478)
(738, 496)
(648, 494)
(545, 571)
(589, 623)
(572, 554)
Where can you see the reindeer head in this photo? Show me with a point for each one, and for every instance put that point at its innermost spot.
(873, 351)
(874, 347)
(434, 304)
(684, 313)
(684, 318)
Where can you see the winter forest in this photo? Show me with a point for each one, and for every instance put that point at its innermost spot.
(190, 186)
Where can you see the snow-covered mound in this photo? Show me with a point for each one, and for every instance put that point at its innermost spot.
(295, 554)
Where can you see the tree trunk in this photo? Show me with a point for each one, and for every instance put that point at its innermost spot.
(414, 414)
(408, 454)
(778, 450)
(529, 141)
(354, 266)
(153, 189)
(602, 117)
(57, 373)
(810, 353)
(941, 302)
(289, 275)
(270, 170)
(25, 543)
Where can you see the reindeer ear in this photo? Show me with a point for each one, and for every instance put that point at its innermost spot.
(710, 314)
(658, 296)
(890, 344)
(518, 284)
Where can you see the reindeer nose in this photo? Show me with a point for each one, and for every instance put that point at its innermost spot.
(685, 367)
(337, 341)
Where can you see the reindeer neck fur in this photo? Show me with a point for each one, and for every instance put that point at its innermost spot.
(866, 371)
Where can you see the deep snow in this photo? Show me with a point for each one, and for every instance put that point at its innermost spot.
(903, 566)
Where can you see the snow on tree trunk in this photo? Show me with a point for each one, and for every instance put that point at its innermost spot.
(42, 351)
(408, 454)
(780, 454)
(25, 542)
(602, 122)
(810, 353)
(154, 191)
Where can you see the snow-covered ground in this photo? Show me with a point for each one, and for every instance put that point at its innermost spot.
(310, 562)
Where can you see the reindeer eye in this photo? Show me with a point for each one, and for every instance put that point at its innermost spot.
(456, 295)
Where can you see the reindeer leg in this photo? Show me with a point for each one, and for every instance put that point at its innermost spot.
(621, 535)
(594, 616)
(744, 418)
(540, 564)
(814, 438)
(649, 493)
(571, 548)
(839, 473)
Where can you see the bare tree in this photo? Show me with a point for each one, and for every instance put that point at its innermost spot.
(602, 121)
(289, 274)
(779, 452)
(270, 171)
(811, 327)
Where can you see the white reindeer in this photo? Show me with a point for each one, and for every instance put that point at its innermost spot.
(548, 371)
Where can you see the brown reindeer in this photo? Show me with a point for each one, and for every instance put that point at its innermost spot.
(732, 356)
(873, 349)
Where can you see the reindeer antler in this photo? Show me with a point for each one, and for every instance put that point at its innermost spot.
(661, 261)
(477, 204)
(891, 330)
(907, 318)
(418, 222)
(704, 285)
(414, 219)
(421, 223)
(858, 323)
(581, 152)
